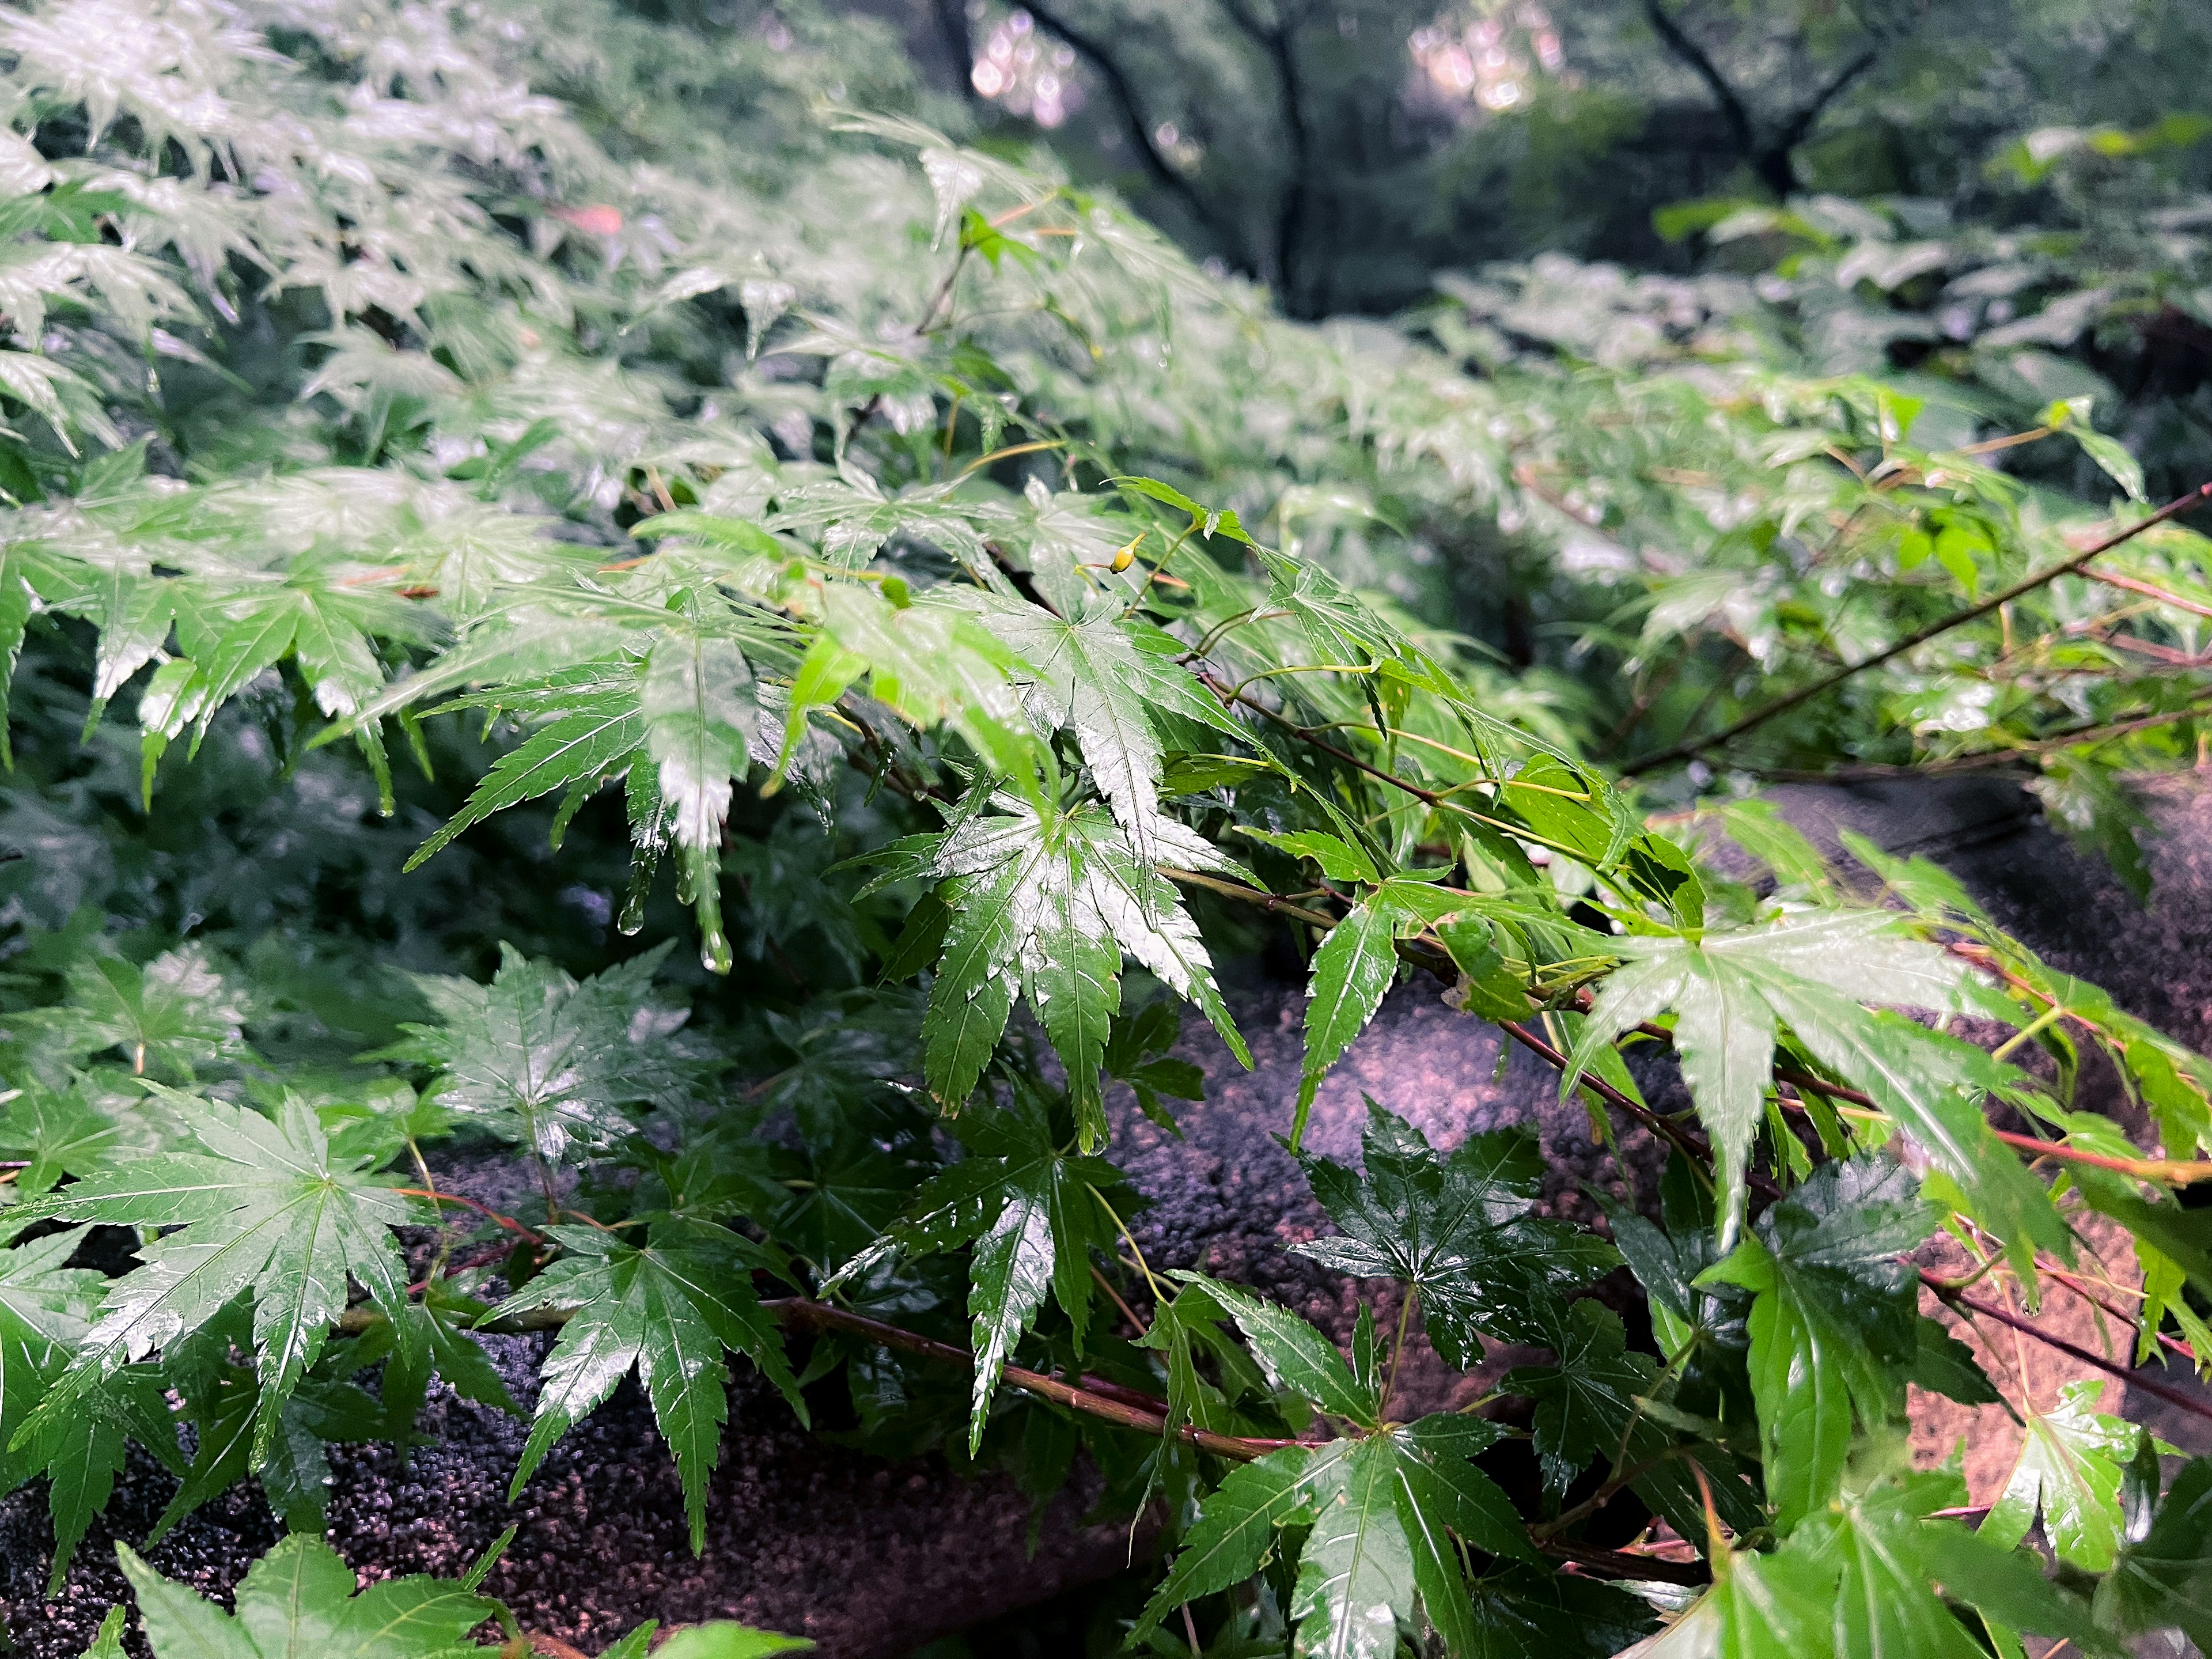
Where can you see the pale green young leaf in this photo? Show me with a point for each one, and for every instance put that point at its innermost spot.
(108, 1641)
(1339, 859)
(1355, 1584)
(545, 1060)
(722, 1639)
(2069, 1473)
(177, 1012)
(698, 704)
(299, 1600)
(1761, 1606)
(1087, 677)
(1296, 1358)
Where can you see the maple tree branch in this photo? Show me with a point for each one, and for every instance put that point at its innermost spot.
(2150, 1385)
(1692, 747)
(1230, 694)
(2149, 591)
(1150, 1417)
(1111, 1402)
(1665, 1128)
(483, 1210)
(1123, 92)
(2177, 1172)
(1677, 40)
(2069, 737)
(1236, 889)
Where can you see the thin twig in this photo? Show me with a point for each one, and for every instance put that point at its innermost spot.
(2193, 606)
(2178, 1172)
(1149, 1419)
(1758, 716)
(2151, 1386)
(1664, 1127)
(1619, 1564)
(1249, 896)
(483, 1210)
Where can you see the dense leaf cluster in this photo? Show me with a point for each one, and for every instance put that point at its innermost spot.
(984, 622)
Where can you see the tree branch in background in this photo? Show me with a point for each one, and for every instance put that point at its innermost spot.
(1277, 41)
(1773, 158)
(1799, 126)
(1123, 91)
(960, 41)
(1734, 109)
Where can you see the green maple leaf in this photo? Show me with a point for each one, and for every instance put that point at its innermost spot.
(1379, 1516)
(1834, 1321)
(82, 1453)
(1732, 991)
(671, 1308)
(56, 1134)
(299, 1601)
(1459, 1229)
(1759, 1606)
(1238, 1524)
(2162, 1577)
(262, 1206)
(175, 1014)
(592, 737)
(1296, 1358)
(45, 1309)
(1353, 971)
(1587, 1402)
(1088, 676)
(697, 700)
(1523, 1610)
(1050, 905)
(223, 1404)
(1033, 1209)
(546, 1059)
(1887, 1558)
(1355, 1583)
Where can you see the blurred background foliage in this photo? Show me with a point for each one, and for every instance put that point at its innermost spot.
(1598, 285)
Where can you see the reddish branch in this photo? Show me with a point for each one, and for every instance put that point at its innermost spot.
(483, 1210)
(1150, 1417)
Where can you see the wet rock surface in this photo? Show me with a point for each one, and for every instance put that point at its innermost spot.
(872, 1558)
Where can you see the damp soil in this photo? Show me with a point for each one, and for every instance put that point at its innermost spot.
(873, 1558)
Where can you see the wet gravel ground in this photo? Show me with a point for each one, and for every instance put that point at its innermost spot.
(872, 1558)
